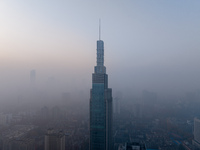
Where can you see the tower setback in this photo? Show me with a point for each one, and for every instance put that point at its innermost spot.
(100, 105)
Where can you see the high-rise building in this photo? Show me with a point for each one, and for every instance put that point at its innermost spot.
(117, 106)
(32, 76)
(196, 140)
(100, 105)
(54, 140)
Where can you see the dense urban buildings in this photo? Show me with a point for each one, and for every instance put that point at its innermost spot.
(196, 140)
(100, 105)
(54, 140)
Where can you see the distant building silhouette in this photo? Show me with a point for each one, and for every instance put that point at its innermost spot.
(100, 105)
(196, 140)
(66, 99)
(117, 108)
(117, 102)
(54, 140)
(149, 99)
(137, 110)
(55, 113)
(32, 76)
(44, 113)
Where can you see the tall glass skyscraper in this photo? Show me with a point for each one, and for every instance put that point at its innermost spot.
(100, 105)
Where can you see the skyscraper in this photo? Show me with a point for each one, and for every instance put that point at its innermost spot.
(100, 105)
(196, 140)
(32, 76)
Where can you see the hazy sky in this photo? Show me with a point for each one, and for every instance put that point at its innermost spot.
(149, 44)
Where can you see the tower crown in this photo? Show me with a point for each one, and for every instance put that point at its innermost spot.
(100, 68)
(100, 53)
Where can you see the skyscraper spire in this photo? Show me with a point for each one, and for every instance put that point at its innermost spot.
(99, 29)
(100, 104)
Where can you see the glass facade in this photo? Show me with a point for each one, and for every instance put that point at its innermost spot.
(100, 105)
(98, 117)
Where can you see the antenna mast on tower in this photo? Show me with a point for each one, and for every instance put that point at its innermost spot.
(99, 29)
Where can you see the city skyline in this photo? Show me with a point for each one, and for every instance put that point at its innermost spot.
(51, 94)
(101, 105)
(155, 43)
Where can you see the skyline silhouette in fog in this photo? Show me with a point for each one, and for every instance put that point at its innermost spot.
(149, 45)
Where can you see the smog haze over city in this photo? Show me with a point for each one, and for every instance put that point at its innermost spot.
(48, 53)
